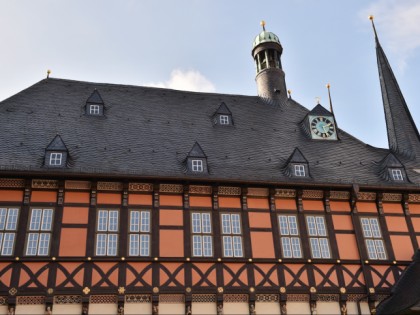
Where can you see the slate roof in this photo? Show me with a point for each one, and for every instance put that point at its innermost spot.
(148, 132)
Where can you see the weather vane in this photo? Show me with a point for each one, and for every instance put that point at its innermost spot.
(263, 25)
(318, 99)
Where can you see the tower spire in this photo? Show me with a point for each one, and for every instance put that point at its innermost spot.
(403, 136)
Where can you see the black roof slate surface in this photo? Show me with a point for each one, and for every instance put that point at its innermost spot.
(148, 132)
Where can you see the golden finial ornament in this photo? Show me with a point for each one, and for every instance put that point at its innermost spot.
(329, 97)
(262, 23)
(48, 73)
(370, 17)
(290, 93)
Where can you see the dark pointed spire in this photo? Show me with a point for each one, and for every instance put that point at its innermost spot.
(403, 136)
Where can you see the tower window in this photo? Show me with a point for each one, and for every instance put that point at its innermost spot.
(56, 159)
(299, 170)
(197, 165)
(94, 109)
(373, 238)
(397, 174)
(224, 119)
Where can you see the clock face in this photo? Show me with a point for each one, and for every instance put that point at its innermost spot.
(322, 127)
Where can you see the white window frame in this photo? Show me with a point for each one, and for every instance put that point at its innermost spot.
(299, 170)
(38, 240)
(397, 174)
(8, 226)
(139, 236)
(202, 234)
(107, 229)
(318, 237)
(94, 109)
(197, 165)
(374, 242)
(56, 158)
(224, 119)
(232, 235)
(289, 236)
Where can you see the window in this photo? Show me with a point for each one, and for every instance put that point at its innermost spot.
(232, 235)
(318, 240)
(397, 174)
(299, 170)
(107, 233)
(224, 119)
(139, 235)
(373, 238)
(39, 235)
(202, 239)
(8, 226)
(289, 236)
(197, 165)
(94, 109)
(56, 158)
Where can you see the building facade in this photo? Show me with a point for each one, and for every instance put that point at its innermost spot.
(120, 199)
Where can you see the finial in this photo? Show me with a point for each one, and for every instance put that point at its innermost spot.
(371, 18)
(329, 97)
(290, 93)
(318, 99)
(48, 73)
(263, 25)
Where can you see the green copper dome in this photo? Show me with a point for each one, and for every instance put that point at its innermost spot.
(265, 37)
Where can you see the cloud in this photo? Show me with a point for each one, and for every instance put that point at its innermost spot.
(190, 80)
(397, 22)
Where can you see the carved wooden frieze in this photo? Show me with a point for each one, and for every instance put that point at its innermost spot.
(12, 183)
(203, 298)
(229, 191)
(414, 197)
(140, 187)
(392, 197)
(171, 188)
(44, 184)
(313, 194)
(114, 186)
(235, 298)
(285, 193)
(138, 298)
(339, 195)
(366, 196)
(67, 299)
(200, 190)
(171, 298)
(258, 192)
(77, 184)
(30, 300)
(103, 299)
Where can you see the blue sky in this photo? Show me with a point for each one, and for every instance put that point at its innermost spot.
(206, 45)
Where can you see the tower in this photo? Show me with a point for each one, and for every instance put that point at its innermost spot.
(270, 77)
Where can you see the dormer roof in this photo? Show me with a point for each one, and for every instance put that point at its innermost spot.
(57, 144)
(95, 98)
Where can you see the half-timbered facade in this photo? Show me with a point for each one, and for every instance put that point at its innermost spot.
(121, 199)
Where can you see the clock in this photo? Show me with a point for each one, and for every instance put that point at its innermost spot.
(323, 128)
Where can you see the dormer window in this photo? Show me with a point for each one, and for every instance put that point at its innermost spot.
(223, 116)
(392, 170)
(299, 170)
(56, 159)
(224, 119)
(197, 165)
(397, 174)
(94, 109)
(94, 104)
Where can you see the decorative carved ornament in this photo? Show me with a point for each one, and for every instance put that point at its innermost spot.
(366, 196)
(67, 299)
(235, 298)
(30, 300)
(204, 298)
(138, 298)
(285, 193)
(44, 183)
(229, 191)
(267, 298)
(391, 197)
(171, 188)
(140, 187)
(328, 298)
(3, 300)
(297, 297)
(414, 197)
(103, 299)
(200, 190)
(115, 186)
(313, 194)
(339, 195)
(77, 184)
(12, 183)
(258, 192)
(171, 298)
(356, 297)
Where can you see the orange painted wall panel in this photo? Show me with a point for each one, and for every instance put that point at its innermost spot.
(342, 222)
(196, 201)
(109, 198)
(340, 206)
(392, 208)
(366, 207)
(171, 217)
(171, 243)
(320, 275)
(262, 245)
(75, 215)
(105, 267)
(170, 200)
(416, 224)
(259, 219)
(137, 199)
(402, 246)
(286, 204)
(238, 270)
(229, 202)
(70, 267)
(258, 203)
(414, 208)
(73, 242)
(313, 205)
(396, 224)
(76, 197)
(11, 195)
(43, 196)
(347, 246)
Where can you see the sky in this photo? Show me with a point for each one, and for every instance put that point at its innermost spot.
(205, 45)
